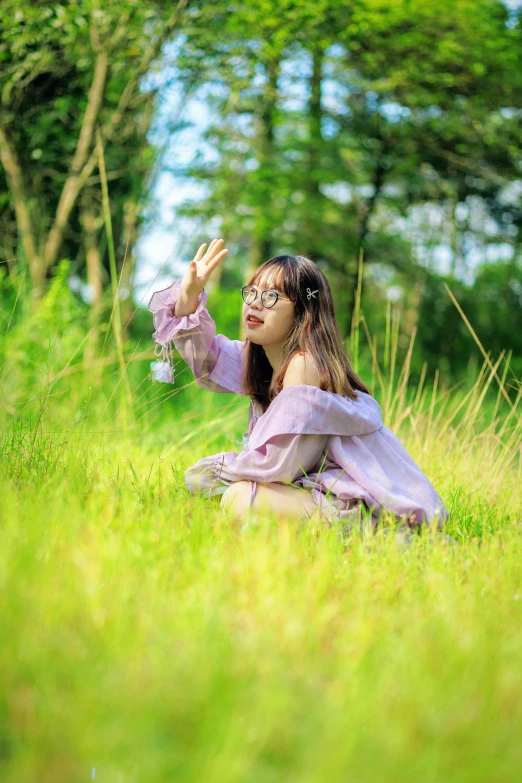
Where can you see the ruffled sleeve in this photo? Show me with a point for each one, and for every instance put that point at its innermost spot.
(306, 430)
(283, 459)
(289, 439)
(216, 361)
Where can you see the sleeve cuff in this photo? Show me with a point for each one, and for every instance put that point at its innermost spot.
(225, 459)
(162, 306)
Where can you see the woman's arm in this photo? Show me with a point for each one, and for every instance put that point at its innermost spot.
(283, 459)
(215, 360)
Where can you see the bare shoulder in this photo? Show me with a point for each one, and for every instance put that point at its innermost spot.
(301, 370)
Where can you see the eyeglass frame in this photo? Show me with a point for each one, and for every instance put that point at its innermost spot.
(284, 298)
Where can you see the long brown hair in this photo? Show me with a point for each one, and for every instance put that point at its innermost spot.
(315, 330)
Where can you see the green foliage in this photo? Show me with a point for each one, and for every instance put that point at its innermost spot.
(50, 55)
(43, 338)
(155, 643)
(162, 620)
(144, 638)
(225, 307)
(494, 303)
(334, 123)
(330, 125)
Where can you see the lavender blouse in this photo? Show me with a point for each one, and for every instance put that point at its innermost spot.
(337, 448)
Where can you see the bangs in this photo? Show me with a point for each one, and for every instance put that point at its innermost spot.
(271, 276)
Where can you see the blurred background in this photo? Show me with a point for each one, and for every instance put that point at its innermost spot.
(382, 131)
(142, 639)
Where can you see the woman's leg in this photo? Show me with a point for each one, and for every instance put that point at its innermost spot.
(287, 502)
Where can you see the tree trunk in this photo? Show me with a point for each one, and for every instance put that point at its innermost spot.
(127, 274)
(91, 222)
(262, 246)
(267, 151)
(43, 254)
(85, 158)
(368, 209)
(21, 206)
(8, 239)
(313, 228)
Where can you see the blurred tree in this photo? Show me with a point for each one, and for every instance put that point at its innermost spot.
(331, 122)
(454, 90)
(68, 69)
(494, 302)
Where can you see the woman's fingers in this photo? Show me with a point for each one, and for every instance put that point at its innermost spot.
(215, 261)
(200, 252)
(204, 263)
(212, 249)
(209, 250)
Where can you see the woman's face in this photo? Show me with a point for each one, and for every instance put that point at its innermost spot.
(277, 320)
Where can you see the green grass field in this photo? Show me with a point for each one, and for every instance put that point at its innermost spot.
(145, 639)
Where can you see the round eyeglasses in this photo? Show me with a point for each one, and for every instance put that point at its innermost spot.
(268, 298)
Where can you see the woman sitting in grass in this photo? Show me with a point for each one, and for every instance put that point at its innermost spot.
(316, 442)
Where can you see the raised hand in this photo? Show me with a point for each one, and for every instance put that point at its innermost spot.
(201, 267)
(196, 276)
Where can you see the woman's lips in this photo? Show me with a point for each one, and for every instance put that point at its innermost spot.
(254, 323)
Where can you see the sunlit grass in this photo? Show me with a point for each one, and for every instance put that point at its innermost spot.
(146, 638)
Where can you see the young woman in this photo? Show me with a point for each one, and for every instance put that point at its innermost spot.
(316, 442)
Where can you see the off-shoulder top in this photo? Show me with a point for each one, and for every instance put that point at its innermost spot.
(320, 440)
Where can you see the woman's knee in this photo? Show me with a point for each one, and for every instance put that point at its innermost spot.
(286, 501)
(236, 495)
(283, 500)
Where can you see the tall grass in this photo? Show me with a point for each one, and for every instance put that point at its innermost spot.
(145, 639)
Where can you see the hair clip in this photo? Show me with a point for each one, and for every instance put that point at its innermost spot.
(311, 293)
